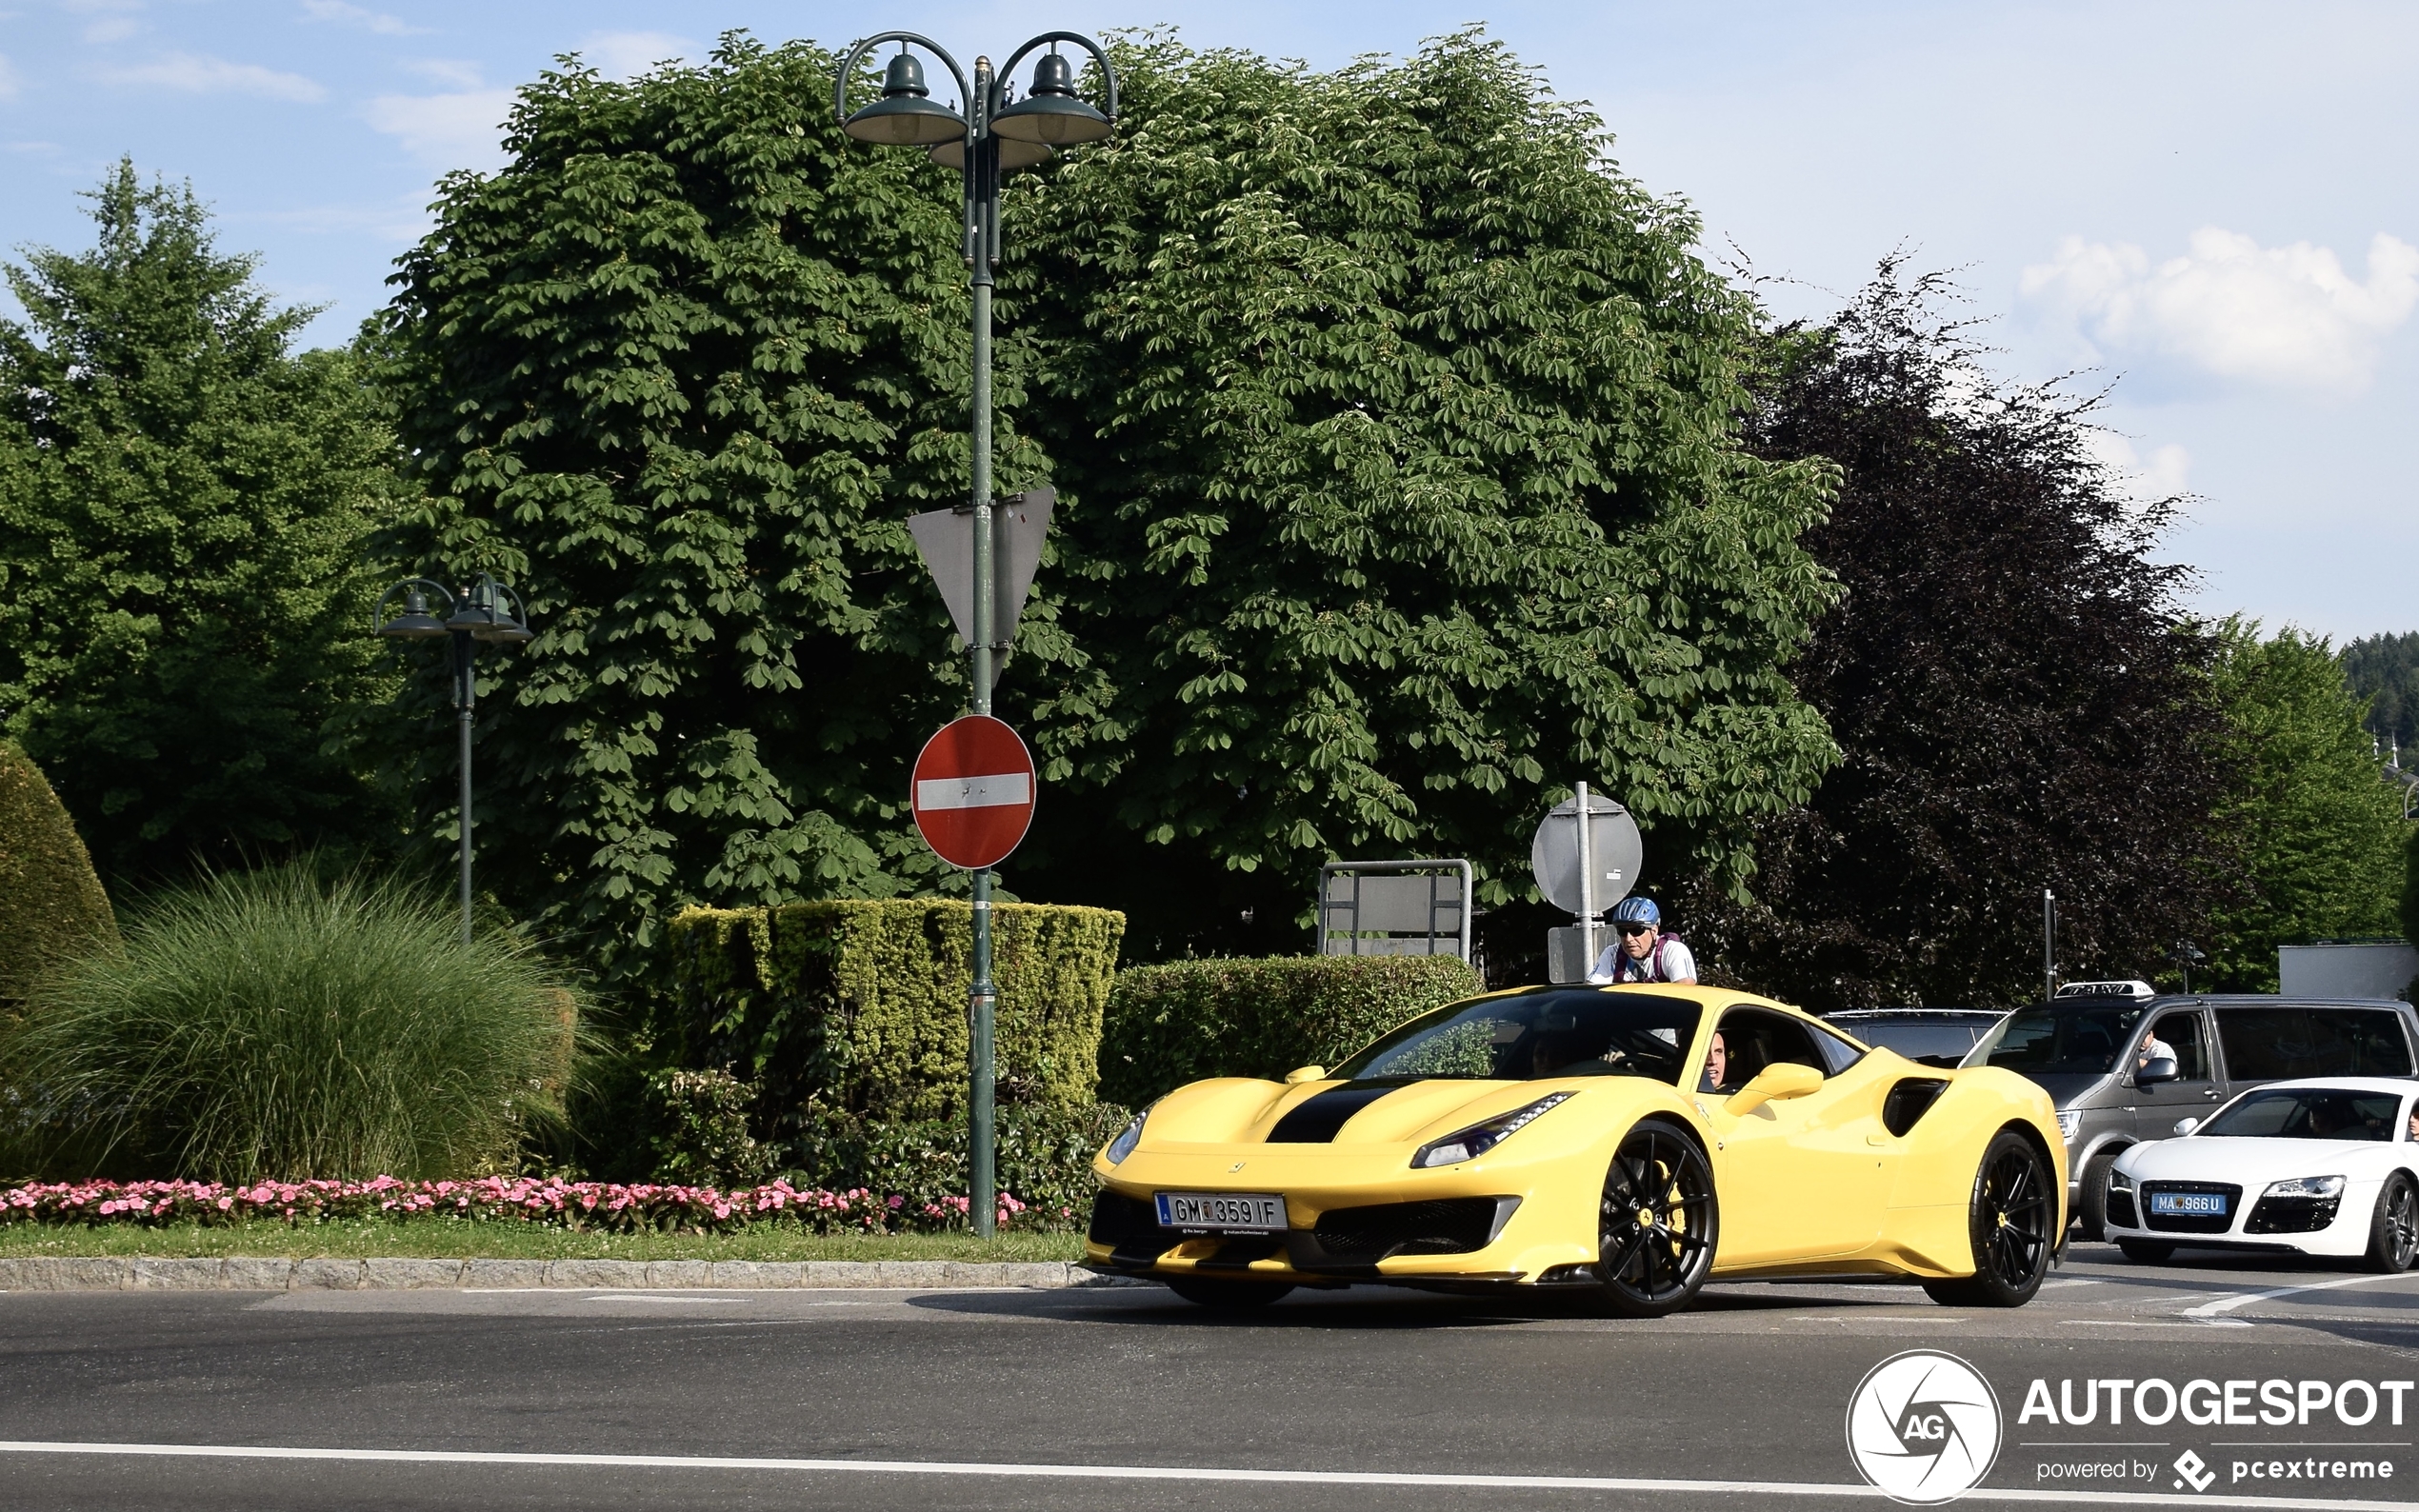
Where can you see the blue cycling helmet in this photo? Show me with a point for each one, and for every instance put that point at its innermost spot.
(1638, 910)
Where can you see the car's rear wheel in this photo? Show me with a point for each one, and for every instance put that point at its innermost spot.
(2009, 1219)
(1657, 1224)
(2393, 1229)
(2146, 1251)
(1226, 1296)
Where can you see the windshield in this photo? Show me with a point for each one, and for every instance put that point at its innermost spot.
(2308, 1113)
(2059, 1041)
(1927, 1043)
(1537, 1034)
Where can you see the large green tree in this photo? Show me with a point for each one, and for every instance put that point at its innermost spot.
(1399, 431)
(1399, 476)
(2020, 701)
(182, 499)
(2320, 834)
(2385, 671)
(679, 371)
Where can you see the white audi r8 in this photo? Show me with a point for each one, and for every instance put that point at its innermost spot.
(2321, 1167)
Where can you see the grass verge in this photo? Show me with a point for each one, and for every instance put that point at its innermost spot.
(368, 1238)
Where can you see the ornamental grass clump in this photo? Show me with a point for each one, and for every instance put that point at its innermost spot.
(268, 1025)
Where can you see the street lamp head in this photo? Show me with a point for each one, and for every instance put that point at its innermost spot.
(487, 616)
(415, 622)
(1050, 111)
(905, 116)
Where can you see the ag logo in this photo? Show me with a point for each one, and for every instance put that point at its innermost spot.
(1924, 1428)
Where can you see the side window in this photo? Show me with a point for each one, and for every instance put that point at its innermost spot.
(2358, 1042)
(2182, 1035)
(1837, 1054)
(2264, 1044)
(1753, 1039)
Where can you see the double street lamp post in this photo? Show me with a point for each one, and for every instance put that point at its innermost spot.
(486, 610)
(993, 137)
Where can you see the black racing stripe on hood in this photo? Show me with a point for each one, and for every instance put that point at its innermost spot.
(1315, 1120)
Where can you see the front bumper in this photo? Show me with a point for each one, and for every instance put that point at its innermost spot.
(2256, 1222)
(1355, 1216)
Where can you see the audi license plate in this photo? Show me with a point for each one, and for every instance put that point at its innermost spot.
(2189, 1204)
(1222, 1212)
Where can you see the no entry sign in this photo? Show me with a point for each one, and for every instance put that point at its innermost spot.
(972, 793)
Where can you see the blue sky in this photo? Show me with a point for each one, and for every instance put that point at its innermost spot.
(2212, 206)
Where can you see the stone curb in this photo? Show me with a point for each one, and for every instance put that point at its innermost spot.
(63, 1273)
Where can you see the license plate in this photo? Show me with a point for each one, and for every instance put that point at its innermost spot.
(1222, 1212)
(2194, 1205)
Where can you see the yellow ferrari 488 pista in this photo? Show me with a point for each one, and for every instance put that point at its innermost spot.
(1633, 1142)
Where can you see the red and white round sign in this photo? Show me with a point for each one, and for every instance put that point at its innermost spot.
(973, 792)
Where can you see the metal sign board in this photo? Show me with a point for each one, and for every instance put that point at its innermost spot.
(1394, 909)
(1553, 854)
(973, 792)
(945, 538)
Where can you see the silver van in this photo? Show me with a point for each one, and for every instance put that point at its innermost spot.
(2126, 1067)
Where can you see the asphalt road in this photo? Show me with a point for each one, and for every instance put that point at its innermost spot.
(1741, 1401)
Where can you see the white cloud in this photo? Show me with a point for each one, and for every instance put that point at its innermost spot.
(386, 26)
(446, 130)
(2289, 316)
(196, 73)
(627, 55)
(118, 30)
(2164, 474)
(455, 72)
(8, 91)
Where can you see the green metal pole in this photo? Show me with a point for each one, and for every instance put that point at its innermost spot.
(982, 1203)
(466, 698)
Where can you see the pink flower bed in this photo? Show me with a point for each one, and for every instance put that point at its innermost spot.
(502, 1199)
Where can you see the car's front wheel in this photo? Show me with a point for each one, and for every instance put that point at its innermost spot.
(2008, 1217)
(2393, 1229)
(2091, 1209)
(1657, 1224)
(1226, 1295)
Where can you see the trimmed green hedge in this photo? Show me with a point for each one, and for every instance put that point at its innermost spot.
(1178, 1022)
(51, 905)
(858, 1008)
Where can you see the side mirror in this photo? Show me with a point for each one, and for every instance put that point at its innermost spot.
(2161, 1068)
(1304, 1073)
(2186, 1125)
(1772, 1085)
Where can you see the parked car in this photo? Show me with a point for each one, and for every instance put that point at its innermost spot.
(2322, 1167)
(1925, 1036)
(2090, 1053)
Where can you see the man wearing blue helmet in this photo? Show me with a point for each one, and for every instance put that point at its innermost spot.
(1644, 952)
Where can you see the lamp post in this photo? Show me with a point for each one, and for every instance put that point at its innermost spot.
(487, 610)
(993, 137)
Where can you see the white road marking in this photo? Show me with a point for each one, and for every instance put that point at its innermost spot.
(1165, 1472)
(994, 791)
(2071, 1281)
(2225, 1304)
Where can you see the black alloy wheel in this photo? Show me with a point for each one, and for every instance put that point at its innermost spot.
(1226, 1296)
(1658, 1222)
(2146, 1251)
(2009, 1219)
(2393, 1231)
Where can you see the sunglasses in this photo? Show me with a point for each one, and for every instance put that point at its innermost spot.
(1634, 928)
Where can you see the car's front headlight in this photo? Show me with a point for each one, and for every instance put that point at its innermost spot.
(2070, 1123)
(1123, 1143)
(1470, 1144)
(2119, 1181)
(2307, 1187)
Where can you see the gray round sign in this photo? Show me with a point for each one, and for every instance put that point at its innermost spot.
(1612, 844)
